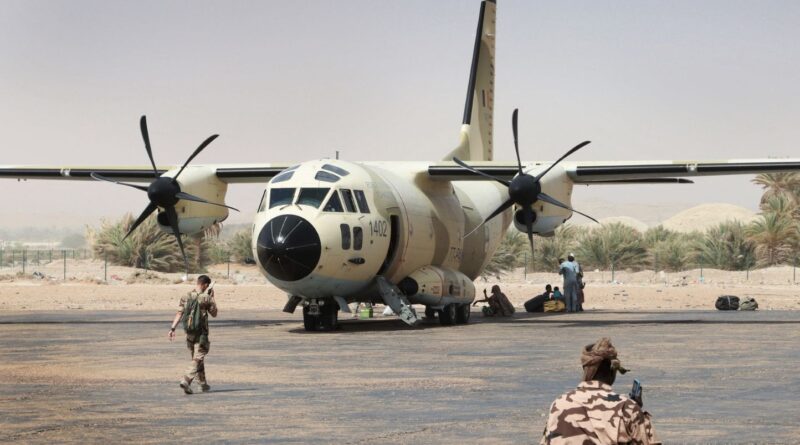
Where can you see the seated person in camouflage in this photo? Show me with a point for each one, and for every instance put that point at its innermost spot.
(499, 305)
(198, 344)
(593, 413)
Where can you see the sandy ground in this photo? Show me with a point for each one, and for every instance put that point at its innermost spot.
(246, 288)
(109, 377)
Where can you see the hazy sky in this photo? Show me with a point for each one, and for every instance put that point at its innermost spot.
(380, 80)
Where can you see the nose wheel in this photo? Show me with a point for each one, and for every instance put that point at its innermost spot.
(323, 317)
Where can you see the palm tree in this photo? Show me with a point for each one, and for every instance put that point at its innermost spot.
(148, 247)
(672, 254)
(725, 247)
(508, 255)
(774, 184)
(775, 235)
(613, 246)
(550, 250)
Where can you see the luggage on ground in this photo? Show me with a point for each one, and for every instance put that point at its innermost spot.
(554, 306)
(748, 304)
(536, 304)
(727, 303)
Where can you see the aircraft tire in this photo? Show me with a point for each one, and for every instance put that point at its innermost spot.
(430, 313)
(329, 317)
(447, 316)
(311, 323)
(463, 313)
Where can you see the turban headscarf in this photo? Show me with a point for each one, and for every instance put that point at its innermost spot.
(593, 356)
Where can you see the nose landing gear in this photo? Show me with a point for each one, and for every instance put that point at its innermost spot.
(320, 315)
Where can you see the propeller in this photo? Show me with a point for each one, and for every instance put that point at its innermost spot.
(164, 192)
(524, 190)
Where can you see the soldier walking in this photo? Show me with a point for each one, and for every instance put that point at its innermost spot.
(193, 311)
(593, 412)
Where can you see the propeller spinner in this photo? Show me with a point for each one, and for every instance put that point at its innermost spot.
(164, 192)
(524, 190)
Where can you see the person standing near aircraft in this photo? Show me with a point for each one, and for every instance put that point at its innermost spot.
(593, 413)
(193, 311)
(579, 275)
(568, 270)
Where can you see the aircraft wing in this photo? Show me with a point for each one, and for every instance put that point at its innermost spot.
(599, 172)
(229, 173)
(621, 172)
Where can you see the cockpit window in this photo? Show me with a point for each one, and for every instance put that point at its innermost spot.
(280, 197)
(284, 176)
(338, 170)
(312, 196)
(263, 204)
(334, 203)
(347, 195)
(325, 176)
(362, 201)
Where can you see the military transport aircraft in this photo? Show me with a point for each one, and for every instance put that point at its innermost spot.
(331, 232)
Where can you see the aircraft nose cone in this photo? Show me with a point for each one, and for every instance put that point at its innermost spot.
(288, 247)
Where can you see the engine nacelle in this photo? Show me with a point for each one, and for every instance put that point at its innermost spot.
(195, 217)
(543, 224)
(437, 286)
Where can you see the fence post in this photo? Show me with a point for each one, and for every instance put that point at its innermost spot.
(794, 271)
(105, 267)
(612, 272)
(24, 260)
(229, 267)
(525, 270)
(64, 254)
(51, 256)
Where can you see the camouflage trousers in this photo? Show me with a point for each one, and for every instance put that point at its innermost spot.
(197, 369)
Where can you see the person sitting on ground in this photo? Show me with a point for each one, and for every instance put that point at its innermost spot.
(594, 413)
(557, 295)
(499, 305)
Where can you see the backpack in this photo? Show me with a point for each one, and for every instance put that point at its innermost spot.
(727, 303)
(748, 304)
(192, 316)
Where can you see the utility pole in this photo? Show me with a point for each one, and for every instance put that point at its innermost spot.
(64, 255)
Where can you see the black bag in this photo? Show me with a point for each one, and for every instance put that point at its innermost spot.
(536, 304)
(727, 303)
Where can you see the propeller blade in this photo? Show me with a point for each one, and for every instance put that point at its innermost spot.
(574, 149)
(516, 143)
(147, 211)
(498, 211)
(478, 172)
(528, 213)
(197, 151)
(549, 199)
(172, 217)
(188, 197)
(146, 137)
(103, 178)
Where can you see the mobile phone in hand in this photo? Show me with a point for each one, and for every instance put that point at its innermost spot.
(636, 391)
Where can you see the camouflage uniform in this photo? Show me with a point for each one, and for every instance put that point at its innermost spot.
(594, 414)
(199, 344)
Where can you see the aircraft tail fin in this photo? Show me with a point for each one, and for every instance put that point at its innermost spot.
(476, 140)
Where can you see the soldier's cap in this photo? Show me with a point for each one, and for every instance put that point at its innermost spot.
(594, 354)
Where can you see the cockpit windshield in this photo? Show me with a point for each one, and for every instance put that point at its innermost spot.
(280, 197)
(312, 196)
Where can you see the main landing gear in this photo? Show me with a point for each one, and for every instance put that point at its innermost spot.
(451, 314)
(321, 316)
